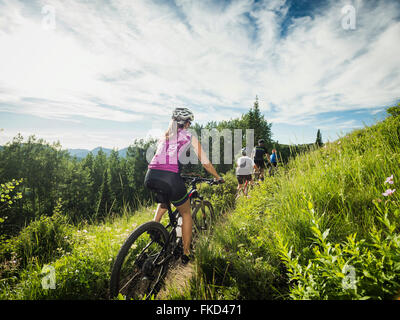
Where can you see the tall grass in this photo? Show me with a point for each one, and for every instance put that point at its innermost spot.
(82, 267)
(337, 185)
(295, 237)
(82, 255)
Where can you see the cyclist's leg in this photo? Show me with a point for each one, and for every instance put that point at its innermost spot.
(160, 211)
(187, 224)
(257, 172)
(240, 184)
(248, 183)
(245, 187)
(239, 187)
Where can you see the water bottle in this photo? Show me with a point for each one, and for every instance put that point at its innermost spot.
(179, 228)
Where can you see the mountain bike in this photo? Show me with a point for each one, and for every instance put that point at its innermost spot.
(272, 170)
(244, 190)
(144, 259)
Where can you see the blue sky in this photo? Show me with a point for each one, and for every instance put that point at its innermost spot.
(91, 73)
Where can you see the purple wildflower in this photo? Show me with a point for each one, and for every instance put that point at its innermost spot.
(388, 192)
(389, 180)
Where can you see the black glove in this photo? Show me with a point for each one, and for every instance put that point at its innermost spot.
(221, 180)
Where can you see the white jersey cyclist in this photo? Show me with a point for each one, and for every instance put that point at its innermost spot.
(245, 166)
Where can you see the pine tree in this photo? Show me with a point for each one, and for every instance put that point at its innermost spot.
(116, 184)
(319, 142)
(104, 202)
(255, 120)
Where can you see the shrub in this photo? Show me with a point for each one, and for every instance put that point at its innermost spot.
(83, 272)
(353, 269)
(44, 239)
(221, 196)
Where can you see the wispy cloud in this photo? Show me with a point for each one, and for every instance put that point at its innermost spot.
(130, 61)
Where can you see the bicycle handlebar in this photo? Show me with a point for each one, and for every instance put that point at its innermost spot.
(195, 180)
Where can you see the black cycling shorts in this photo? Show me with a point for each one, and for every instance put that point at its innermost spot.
(259, 163)
(242, 179)
(169, 183)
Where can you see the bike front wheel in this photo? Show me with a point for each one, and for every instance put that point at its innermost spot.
(140, 265)
(202, 216)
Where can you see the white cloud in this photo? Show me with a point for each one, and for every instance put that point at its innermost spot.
(142, 58)
(323, 68)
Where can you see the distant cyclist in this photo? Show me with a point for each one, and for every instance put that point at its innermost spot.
(244, 170)
(259, 153)
(273, 161)
(164, 171)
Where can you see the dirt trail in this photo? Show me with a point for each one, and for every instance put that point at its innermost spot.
(177, 280)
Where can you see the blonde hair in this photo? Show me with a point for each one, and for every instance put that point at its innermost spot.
(173, 129)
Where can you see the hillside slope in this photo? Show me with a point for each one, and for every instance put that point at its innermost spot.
(82, 257)
(326, 227)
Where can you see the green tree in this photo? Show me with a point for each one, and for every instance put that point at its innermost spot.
(394, 111)
(8, 195)
(116, 183)
(137, 164)
(76, 191)
(41, 165)
(105, 202)
(318, 141)
(254, 119)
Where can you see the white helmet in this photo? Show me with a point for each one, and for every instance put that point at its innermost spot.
(181, 115)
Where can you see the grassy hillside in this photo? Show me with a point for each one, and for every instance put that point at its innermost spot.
(324, 228)
(81, 255)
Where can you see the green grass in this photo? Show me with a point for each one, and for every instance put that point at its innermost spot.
(82, 267)
(320, 229)
(271, 246)
(82, 255)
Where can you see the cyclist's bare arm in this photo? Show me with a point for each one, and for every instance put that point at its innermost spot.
(203, 158)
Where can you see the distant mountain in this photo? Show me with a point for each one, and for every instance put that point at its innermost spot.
(79, 153)
(82, 153)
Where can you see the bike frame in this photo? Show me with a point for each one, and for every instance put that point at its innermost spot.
(173, 215)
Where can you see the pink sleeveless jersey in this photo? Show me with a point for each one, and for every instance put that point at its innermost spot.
(169, 151)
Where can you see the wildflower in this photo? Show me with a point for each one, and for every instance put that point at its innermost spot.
(389, 180)
(388, 192)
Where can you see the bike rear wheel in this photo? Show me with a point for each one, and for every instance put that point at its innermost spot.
(140, 265)
(202, 216)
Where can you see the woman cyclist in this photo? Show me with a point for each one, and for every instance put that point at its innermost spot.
(164, 171)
